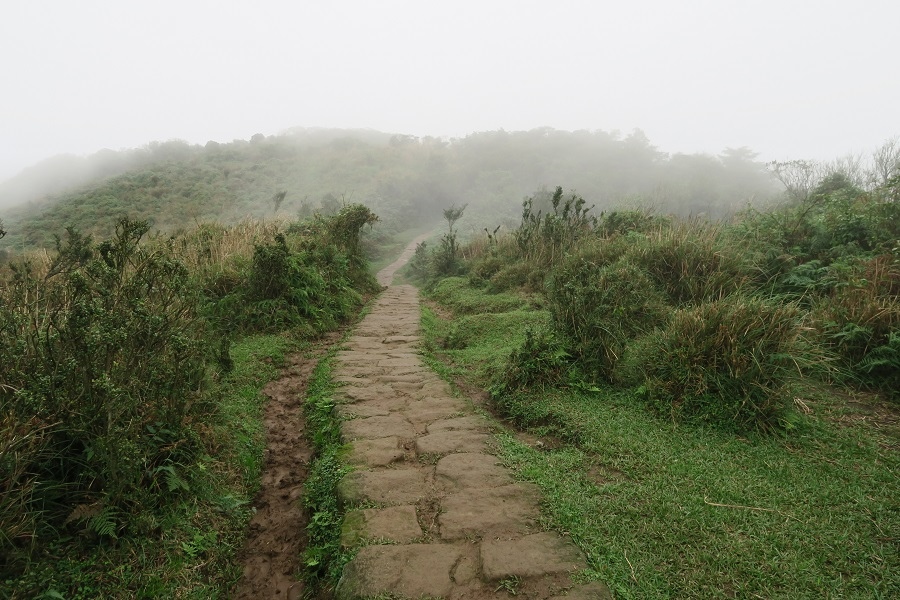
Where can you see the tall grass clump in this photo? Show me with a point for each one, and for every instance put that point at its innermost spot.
(599, 309)
(310, 276)
(690, 262)
(859, 318)
(729, 363)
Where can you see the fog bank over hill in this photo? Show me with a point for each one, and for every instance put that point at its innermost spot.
(401, 177)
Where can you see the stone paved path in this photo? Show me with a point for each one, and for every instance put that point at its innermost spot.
(441, 518)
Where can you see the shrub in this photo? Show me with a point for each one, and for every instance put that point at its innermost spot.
(599, 309)
(541, 361)
(690, 263)
(861, 315)
(727, 362)
(104, 357)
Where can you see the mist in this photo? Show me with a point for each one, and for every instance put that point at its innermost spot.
(786, 79)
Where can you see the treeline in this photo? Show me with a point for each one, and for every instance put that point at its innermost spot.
(716, 323)
(403, 178)
(114, 358)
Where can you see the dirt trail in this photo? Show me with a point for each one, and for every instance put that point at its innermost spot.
(277, 536)
(443, 518)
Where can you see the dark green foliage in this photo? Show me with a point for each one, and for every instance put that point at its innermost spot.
(309, 277)
(419, 263)
(728, 363)
(541, 361)
(104, 358)
(859, 315)
(624, 221)
(599, 309)
(446, 260)
(545, 238)
(690, 262)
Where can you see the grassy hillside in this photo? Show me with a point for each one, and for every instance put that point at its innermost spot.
(406, 180)
(711, 408)
(130, 371)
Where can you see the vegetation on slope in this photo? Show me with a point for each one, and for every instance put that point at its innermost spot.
(713, 399)
(130, 442)
(406, 180)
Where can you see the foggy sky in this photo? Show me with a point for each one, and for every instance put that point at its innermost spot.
(788, 78)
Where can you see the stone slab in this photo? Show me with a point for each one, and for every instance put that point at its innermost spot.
(459, 471)
(535, 555)
(393, 524)
(359, 392)
(352, 411)
(446, 442)
(505, 511)
(377, 427)
(379, 452)
(594, 590)
(409, 571)
(387, 486)
(468, 422)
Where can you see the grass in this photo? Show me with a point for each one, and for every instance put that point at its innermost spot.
(193, 554)
(324, 557)
(666, 511)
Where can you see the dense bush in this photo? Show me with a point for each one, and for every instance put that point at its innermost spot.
(598, 309)
(102, 361)
(859, 317)
(310, 276)
(727, 362)
(105, 354)
(690, 262)
(541, 361)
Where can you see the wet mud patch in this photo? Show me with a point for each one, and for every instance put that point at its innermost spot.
(277, 532)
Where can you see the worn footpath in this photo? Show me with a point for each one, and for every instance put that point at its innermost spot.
(434, 512)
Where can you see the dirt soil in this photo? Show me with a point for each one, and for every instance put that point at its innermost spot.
(277, 536)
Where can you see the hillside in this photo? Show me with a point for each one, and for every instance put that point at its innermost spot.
(402, 178)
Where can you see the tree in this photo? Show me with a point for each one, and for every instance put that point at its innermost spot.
(278, 198)
(798, 177)
(885, 163)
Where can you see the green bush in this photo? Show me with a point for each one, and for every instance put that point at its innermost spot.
(309, 277)
(690, 262)
(103, 360)
(541, 361)
(599, 309)
(728, 363)
(859, 318)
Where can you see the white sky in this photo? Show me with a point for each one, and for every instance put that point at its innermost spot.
(788, 78)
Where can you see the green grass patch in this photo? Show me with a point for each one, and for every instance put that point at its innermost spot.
(457, 294)
(477, 340)
(323, 558)
(688, 511)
